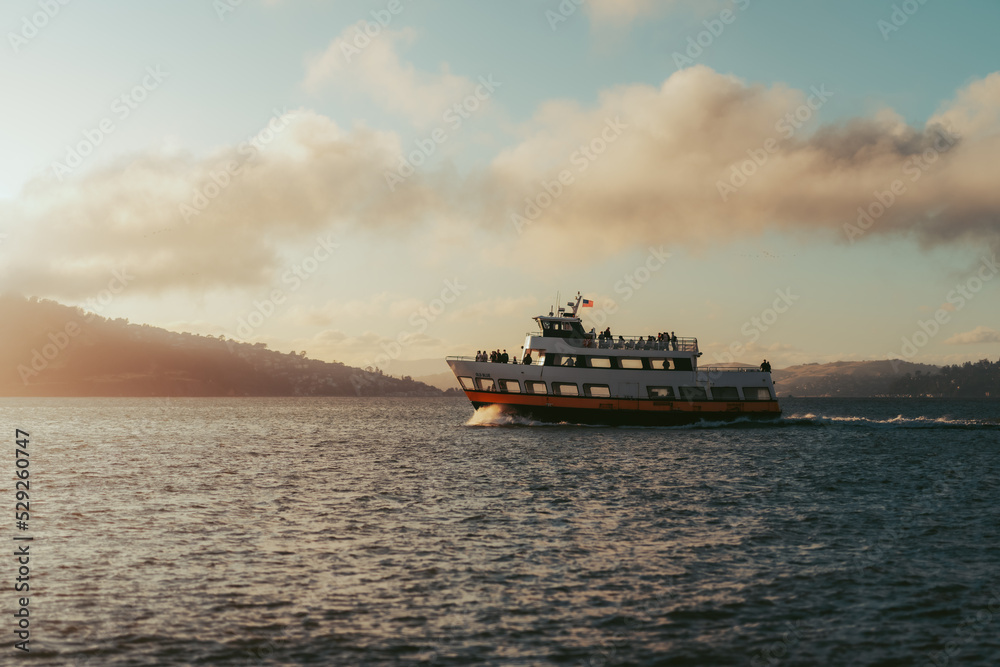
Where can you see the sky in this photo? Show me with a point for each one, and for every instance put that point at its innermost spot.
(389, 182)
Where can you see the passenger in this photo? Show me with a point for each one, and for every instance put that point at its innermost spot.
(504, 358)
(766, 367)
(527, 359)
(493, 357)
(673, 341)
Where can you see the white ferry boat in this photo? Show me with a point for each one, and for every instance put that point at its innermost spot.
(570, 375)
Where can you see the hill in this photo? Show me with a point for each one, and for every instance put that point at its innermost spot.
(979, 379)
(846, 378)
(49, 349)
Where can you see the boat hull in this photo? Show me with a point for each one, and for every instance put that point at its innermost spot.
(625, 412)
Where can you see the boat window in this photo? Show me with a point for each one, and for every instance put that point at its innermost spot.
(659, 364)
(682, 364)
(660, 392)
(630, 364)
(535, 387)
(486, 384)
(725, 394)
(599, 362)
(693, 394)
(565, 389)
(756, 393)
(597, 390)
(510, 386)
(467, 384)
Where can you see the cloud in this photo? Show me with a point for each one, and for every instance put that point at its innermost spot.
(67, 238)
(382, 304)
(664, 174)
(980, 334)
(494, 309)
(377, 71)
(645, 164)
(622, 12)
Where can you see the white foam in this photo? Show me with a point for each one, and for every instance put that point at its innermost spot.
(897, 421)
(494, 415)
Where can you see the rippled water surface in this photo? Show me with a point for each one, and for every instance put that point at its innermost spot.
(399, 531)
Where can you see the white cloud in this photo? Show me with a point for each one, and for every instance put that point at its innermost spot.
(980, 334)
(312, 176)
(378, 72)
(660, 178)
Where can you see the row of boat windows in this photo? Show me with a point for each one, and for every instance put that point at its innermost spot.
(618, 363)
(604, 391)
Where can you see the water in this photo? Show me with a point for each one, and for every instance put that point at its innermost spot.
(397, 531)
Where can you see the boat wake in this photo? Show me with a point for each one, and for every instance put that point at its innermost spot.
(494, 415)
(897, 422)
(810, 419)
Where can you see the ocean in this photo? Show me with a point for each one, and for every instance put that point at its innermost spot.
(341, 531)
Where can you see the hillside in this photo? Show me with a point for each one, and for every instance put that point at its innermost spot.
(970, 380)
(846, 378)
(49, 349)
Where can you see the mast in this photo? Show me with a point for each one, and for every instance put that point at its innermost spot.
(575, 306)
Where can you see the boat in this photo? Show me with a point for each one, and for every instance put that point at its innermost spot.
(570, 375)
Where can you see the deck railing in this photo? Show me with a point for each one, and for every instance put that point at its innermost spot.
(729, 369)
(631, 343)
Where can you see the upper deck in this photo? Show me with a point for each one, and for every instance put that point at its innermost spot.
(631, 343)
(556, 332)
